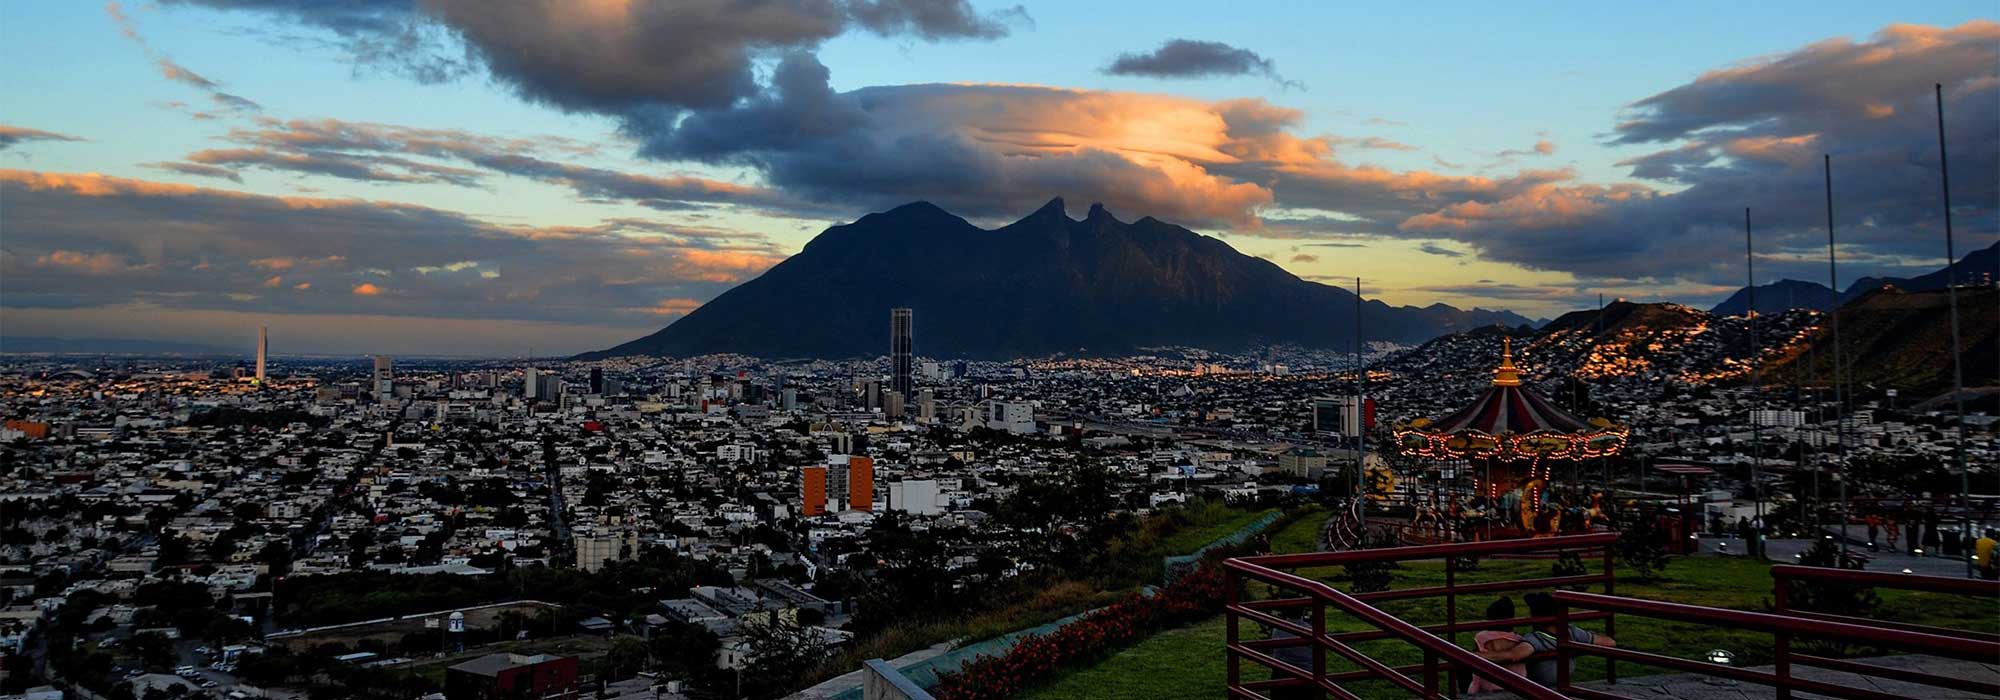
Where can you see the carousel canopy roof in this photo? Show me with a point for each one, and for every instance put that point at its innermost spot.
(1511, 419)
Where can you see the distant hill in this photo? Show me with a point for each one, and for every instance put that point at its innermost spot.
(1902, 339)
(1784, 295)
(1890, 338)
(107, 346)
(1779, 297)
(1043, 285)
(1979, 264)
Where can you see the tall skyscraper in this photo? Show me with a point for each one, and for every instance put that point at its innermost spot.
(385, 376)
(860, 483)
(263, 348)
(597, 380)
(901, 346)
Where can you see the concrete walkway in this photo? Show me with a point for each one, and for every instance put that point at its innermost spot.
(1787, 551)
(1688, 686)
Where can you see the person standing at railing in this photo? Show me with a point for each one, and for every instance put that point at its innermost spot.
(1543, 670)
(1501, 646)
(1298, 655)
(1982, 555)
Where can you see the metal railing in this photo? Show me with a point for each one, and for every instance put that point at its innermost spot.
(1787, 625)
(1444, 659)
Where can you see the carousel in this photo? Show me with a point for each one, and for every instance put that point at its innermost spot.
(1508, 443)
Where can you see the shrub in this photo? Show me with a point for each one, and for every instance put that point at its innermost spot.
(1036, 657)
(1642, 545)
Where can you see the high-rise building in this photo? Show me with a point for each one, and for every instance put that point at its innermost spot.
(385, 376)
(901, 346)
(597, 380)
(1339, 415)
(530, 383)
(263, 348)
(812, 490)
(892, 404)
(860, 483)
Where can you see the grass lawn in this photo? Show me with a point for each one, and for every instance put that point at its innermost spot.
(1189, 662)
(1209, 523)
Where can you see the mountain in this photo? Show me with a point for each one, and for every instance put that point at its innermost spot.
(1043, 285)
(1979, 264)
(1779, 297)
(1891, 337)
(106, 346)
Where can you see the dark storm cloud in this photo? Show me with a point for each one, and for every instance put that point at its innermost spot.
(611, 57)
(11, 136)
(79, 240)
(1189, 58)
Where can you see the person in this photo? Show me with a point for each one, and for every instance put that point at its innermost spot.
(1500, 646)
(1982, 555)
(1874, 529)
(1543, 670)
(1299, 656)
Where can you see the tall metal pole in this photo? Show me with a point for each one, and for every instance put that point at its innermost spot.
(1839, 408)
(1756, 391)
(1957, 361)
(1360, 410)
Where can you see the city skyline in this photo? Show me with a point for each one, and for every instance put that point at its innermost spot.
(453, 191)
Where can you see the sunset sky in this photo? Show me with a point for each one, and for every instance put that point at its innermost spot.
(471, 178)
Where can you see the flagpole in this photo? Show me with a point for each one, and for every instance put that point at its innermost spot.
(1957, 357)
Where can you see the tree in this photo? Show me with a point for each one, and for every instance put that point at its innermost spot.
(1642, 545)
(780, 653)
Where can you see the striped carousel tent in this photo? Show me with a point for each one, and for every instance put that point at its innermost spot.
(1511, 421)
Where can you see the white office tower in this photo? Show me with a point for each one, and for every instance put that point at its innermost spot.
(263, 348)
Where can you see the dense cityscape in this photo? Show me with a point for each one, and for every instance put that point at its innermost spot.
(999, 350)
(724, 526)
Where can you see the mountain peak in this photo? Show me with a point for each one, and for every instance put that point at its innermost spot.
(1098, 213)
(1094, 287)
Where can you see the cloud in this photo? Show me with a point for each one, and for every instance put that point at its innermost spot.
(1435, 249)
(611, 56)
(198, 169)
(173, 71)
(1543, 147)
(1752, 135)
(389, 153)
(933, 19)
(95, 241)
(1305, 258)
(11, 136)
(1188, 58)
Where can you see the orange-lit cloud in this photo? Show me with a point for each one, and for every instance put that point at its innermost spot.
(367, 289)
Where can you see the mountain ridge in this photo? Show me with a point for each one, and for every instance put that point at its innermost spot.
(1045, 284)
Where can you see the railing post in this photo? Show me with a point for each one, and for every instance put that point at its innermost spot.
(1319, 648)
(1563, 650)
(1451, 612)
(1610, 622)
(1430, 674)
(1782, 643)
(1229, 610)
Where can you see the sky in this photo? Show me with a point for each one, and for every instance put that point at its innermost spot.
(455, 177)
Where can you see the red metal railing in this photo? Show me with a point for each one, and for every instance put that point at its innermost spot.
(1444, 659)
(1781, 597)
(1443, 656)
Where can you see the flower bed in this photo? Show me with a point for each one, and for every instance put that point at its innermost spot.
(1195, 596)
